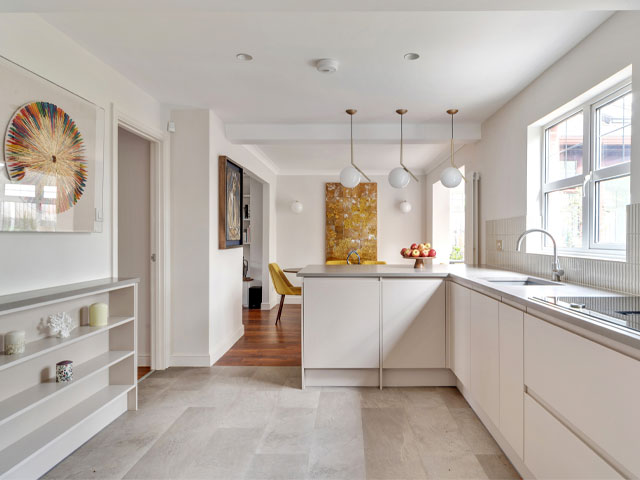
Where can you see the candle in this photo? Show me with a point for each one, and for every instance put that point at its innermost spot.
(14, 342)
(64, 371)
(98, 314)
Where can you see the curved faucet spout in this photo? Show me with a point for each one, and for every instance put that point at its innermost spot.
(349, 256)
(556, 271)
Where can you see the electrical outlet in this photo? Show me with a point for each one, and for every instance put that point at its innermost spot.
(499, 245)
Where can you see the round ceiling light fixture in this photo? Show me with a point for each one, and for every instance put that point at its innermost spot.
(400, 176)
(351, 175)
(452, 176)
(327, 65)
(411, 56)
(244, 57)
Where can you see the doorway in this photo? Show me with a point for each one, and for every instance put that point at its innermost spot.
(134, 232)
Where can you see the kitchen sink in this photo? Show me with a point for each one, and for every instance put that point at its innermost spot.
(522, 282)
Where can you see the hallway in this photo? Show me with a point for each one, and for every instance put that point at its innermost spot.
(264, 343)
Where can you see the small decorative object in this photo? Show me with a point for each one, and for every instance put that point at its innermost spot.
(419, 252)
(229, 203)
(64, 371)
(296, 207)
(98, 315)
(60, 324)
(14, 342)
(405, 207)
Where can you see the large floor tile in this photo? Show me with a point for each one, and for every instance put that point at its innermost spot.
(497, 466)
(278, 467)
(457, 467)
(289, 431)
(475, 434)
(337, 454)
(436, 431)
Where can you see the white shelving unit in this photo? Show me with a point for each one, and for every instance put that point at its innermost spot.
(43, 421)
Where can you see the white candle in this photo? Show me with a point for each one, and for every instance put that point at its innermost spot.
(14, 342)
(98, 314)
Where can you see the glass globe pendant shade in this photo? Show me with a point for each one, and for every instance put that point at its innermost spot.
(349, 177)
(399, 177)
(451, 177)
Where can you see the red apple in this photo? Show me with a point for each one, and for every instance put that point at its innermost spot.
(432, 253)
(424, 253)
(427, 246)
(415, 253)
(414, 246)
(402, 251)
(423, 246)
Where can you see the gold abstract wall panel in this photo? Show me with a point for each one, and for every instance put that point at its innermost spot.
(352, 221)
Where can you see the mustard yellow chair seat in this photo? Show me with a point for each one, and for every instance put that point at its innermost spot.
(282, 285)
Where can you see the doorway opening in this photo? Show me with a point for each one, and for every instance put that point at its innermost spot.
(135, 233)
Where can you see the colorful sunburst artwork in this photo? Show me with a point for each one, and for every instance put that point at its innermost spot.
(44, 147)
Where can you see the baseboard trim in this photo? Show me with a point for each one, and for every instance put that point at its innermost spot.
(293, 300)
(269, 306)
(144, 360)
(225, 344)
(190, 360)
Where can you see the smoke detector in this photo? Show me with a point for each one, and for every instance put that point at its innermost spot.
(327, 65)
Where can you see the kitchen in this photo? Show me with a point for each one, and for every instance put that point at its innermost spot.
(435, 210)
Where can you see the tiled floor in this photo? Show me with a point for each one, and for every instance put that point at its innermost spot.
(255, 422)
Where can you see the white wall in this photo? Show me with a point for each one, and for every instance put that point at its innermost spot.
(134, 228)
(301, 237)
(49, 259)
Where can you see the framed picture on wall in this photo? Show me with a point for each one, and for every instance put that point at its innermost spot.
(229, 203)
(52, 161)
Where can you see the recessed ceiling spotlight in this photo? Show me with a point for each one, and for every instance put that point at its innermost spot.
(327, 65)
(244, 57)
(411, 56)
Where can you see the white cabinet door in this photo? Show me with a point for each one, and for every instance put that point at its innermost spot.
(552, 451)
(485, 355)
(459, 328)
(413, 323)
(593, 387)
(512, 376)
(341, 323)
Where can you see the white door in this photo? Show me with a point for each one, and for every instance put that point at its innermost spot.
(460, 334)
(512, 376)
(413, 323)
(485, 355)
(134, 228)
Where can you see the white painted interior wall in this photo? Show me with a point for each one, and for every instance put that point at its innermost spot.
(134, 228)
(49, 259)
(501, 155)
(301, 237)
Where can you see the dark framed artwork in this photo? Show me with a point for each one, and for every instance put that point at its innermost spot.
(229, 203)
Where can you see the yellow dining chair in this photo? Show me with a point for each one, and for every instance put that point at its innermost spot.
(282, 285)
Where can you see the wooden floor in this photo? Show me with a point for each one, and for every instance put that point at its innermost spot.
(142, 371)
(264, 343)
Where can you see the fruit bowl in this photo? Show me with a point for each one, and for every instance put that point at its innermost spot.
(419, 253)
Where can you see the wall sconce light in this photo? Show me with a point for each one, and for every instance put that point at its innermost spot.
(296, 207)
(405, 207)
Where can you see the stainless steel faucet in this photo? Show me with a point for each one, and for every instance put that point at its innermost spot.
(349, 256)
(556, 271)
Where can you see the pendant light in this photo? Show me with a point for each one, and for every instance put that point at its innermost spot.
(400, 176)
(451, 176)
(351, 175)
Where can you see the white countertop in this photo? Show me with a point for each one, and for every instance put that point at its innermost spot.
(476, 278)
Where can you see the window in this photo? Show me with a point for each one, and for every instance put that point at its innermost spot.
(449, 221)
(585, 177)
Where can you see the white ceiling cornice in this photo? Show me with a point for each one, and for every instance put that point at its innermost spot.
(293, 134)
(315, 5)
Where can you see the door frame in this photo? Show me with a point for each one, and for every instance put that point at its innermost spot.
(160, 234)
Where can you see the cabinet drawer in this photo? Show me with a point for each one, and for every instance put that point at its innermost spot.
(413, 323)
(552, 451)
(341, 323)
(593, 387)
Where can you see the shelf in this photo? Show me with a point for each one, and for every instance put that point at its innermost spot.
(49, 344)
(33, 298)
(31, 397)
(20, 451)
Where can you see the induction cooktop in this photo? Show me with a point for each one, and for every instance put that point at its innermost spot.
(621, 311)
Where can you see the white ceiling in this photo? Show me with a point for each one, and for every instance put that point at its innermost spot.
(475, 61)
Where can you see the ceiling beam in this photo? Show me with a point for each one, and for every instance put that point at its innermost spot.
(314, 134)
(314, 5)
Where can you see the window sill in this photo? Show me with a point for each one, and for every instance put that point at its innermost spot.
(590, 255)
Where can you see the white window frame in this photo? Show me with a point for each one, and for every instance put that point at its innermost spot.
(588, 179)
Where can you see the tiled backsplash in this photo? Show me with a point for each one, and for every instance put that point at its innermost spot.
(610, 275)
